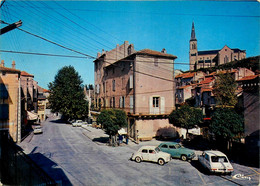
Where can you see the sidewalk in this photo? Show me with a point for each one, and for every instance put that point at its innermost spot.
(98, 135)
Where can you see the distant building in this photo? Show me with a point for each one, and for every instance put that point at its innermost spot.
(43, 95)
(211, 58)
(10, 98)
(139, 82)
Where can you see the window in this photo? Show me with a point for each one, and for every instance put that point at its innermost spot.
(155, 101)
(151, 151)
(3, 91)
(114, 102)
(172, 147)
(207, 157)
(144, 151)
(122, 102)
(104, 87)
(131, 84)
(4, 111)
(219, 159)
(164, 146)
(123, 82)
(114, 85)
(156, 62)
(3, 73)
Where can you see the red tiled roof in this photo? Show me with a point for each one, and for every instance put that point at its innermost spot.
(224, 72)
(9, 69)
(155, 53)
(23, 73)
(186, 75)
(207, 80)
(206, 89)
(45, 90)
(247, 78)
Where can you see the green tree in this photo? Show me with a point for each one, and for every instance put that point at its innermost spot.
(186, 117)
(224, 90)
(66, 94)
(112, 120)
(226, 124)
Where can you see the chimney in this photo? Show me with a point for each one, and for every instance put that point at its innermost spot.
(163, 51)
(2, 63)
(98, 54)
(13, 64)
(103, 51)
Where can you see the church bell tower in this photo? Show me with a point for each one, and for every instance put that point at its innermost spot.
(193, 54)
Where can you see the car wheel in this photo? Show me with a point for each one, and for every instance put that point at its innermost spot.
(161, 161)
(138, 159)
(183, 157)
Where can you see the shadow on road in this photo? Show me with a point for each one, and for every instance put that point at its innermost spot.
(50, 168)
(196, 164)
(101, 140)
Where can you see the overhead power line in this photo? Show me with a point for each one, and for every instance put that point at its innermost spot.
(41, 54)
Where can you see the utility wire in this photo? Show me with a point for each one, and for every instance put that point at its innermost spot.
(42, 54)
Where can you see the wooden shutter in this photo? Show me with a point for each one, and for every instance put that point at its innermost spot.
(162, 105)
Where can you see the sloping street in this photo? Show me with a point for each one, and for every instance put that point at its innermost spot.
(76, 156)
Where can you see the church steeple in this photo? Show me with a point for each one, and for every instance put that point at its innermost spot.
(193, 36)
(193, 49)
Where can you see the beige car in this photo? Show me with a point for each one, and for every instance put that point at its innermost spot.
(151, 153)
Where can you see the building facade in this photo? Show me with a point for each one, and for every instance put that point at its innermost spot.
(211, 58)
(139, 82)
(10, 99)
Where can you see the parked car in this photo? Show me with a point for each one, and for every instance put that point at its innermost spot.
(176, 150)
(37, 130)
(77, 123)
(215, 162)
(151, 153)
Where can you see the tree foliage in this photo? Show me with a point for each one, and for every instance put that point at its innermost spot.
(66, 94)
(112, 120)
(226, 123)
(186, 117)
(224, 90)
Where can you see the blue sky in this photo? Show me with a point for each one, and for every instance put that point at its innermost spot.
(90, 26)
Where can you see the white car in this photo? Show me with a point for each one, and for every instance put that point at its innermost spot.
(37, 130)
(77, 123)
(151, 153)
(215, 162)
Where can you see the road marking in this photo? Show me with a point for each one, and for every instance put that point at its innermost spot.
(254, 170)
(204, 183)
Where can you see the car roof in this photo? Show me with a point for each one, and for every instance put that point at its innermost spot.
(169, 143)
(148, 147)
(214, 153)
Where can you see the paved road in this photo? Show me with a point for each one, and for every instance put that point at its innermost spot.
(69, 155)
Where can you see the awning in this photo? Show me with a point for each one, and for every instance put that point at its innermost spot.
(31, 116)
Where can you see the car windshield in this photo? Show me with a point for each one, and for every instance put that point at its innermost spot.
(219, 159)
(157, 149)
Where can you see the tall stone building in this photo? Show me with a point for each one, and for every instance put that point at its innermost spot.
(139, 82)
(211, 58)
(10, 99)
